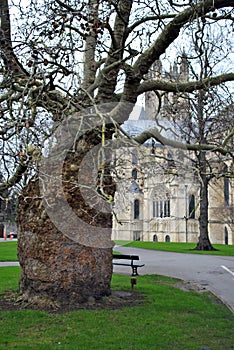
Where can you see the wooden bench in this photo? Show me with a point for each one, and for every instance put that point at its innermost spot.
(131, 258)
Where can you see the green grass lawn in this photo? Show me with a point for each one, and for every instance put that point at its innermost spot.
(169, 318)
(225, 250)
(8, 251)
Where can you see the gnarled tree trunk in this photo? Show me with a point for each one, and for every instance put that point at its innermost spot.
(58, 269)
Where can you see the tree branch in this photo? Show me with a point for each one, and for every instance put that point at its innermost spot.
(10, 60)
(16, 177)
(108, 84)
(183, 86)
(177, 144)
(147, 19)
(172, 30)
(228, 137)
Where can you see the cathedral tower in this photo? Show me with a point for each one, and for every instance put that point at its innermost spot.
(159, 104)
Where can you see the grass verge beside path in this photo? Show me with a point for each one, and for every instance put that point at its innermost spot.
(223, 250)
(8, 251)
(169, 318)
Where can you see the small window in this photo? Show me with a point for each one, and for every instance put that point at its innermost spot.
(192, 206)
(136, 209)
(226, 235)
(134, 174)
(134, 157)
(226, 191)
(155, 238)
(167, 238)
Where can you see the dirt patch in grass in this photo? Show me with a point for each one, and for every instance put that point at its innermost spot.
(117, 300)
(189, 286)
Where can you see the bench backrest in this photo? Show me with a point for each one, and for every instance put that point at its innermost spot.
(126, 257)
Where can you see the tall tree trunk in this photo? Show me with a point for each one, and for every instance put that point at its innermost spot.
(204, 241)
(58, 269)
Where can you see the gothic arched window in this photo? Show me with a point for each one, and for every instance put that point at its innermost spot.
(161, 206)
(192, 206)
(226, 191)
(226, 235)
(136, 209)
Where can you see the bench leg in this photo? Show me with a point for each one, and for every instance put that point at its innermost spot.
(134, 271)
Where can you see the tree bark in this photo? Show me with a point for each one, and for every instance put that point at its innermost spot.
(58, 269)
(204, 241)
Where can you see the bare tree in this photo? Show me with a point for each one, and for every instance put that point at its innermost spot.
(209, 121)
(75, 69)
(204, 117)
(209, 126)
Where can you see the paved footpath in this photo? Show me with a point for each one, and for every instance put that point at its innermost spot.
(215, 273)
(9, 263)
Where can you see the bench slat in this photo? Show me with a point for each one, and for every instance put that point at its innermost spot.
(126, 257)
(138, 265)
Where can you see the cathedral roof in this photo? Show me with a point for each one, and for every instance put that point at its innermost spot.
(134, 188)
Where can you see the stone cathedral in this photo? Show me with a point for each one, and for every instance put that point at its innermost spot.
(157, 197)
